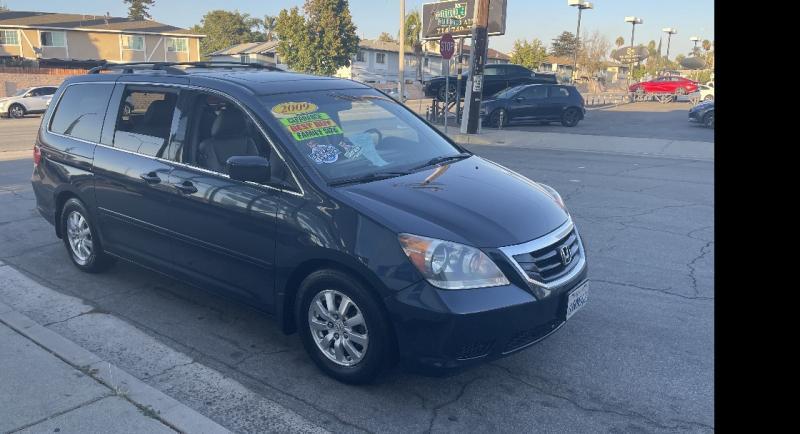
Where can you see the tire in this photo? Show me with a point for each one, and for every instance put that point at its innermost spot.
(708, 120)
(639, 91)
(570, 117)
(79, 234)
(16, 111)
(494, 119)
(709, 98)
(375, 344)
(680, 91)
(440, 93)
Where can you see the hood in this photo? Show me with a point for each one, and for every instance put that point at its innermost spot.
(6, 98)
(472, 201)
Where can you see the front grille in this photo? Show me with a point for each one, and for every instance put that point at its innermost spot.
(545, 265)
(526, 337)
(472, 350)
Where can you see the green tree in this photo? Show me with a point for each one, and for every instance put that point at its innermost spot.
(386, 37)
(413, 28)
(620, 41)
(564, 45)
(528, 54)
(706, 45)
(224, 29)
(319, 41)
(269, 23)
(139, 9)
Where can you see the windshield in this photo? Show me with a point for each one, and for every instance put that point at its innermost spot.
(508, 93)
(347, 134)
(22, 91)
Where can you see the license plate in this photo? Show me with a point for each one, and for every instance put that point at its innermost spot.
(577, 299)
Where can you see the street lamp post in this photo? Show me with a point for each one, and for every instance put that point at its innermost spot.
(634, 21)
(581, 5)
(401, 87)
(669, 31)
(694, 39)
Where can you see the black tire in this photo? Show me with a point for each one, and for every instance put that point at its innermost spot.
(680, 91)
(496, 116)
(440, 93)
(16, 111)
(709, 98)
(570, 117)
(380, 351)
(97, 260)
(708, 119)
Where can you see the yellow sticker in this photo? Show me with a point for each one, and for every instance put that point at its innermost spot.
(289, 109)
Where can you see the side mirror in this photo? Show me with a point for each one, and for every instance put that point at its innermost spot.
(519, 99)
(248, 168)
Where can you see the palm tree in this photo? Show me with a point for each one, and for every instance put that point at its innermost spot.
(620, 41)
(707, 45)
(270, 22)
(413, 37)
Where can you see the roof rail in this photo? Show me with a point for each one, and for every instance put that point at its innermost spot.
(170, 67)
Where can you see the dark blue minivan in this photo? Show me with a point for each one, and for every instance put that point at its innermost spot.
(319, 200)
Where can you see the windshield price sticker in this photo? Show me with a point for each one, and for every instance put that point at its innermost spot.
(289, 109)
(309, 126)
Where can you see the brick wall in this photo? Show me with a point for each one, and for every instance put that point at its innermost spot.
(13, 79)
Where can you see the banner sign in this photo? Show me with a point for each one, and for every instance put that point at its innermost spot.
(456, 17)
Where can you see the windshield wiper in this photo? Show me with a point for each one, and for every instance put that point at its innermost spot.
(367, 178)
(442, 159)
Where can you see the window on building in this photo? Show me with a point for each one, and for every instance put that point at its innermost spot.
(132, 42)
(380, 58)
(360, 56)
(53, 39)
(9, 37)
(178, 45)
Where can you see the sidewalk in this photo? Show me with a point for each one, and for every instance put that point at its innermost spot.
(49, 384)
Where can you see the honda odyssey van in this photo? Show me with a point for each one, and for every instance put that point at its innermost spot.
(320, 201)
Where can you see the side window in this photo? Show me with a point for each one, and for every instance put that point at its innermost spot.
(496, 70)
(144, 120)
(81, 110)
(559, 92)
(47, 91)
(535, 92)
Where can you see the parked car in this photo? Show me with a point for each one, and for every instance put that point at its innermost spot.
(26, 101)
(703, 113)
(496, 77)
(319, 200)
(671, 85)
(706, 92)
(544, 103)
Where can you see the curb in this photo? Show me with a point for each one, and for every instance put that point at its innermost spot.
(162, 407)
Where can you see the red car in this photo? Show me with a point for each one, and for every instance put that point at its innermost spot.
(672, 85)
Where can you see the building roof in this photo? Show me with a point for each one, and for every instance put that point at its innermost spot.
(97, 23)
(558, 60)
(248, 48)
(394, 47)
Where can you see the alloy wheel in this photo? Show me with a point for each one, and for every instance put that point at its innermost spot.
(16, 111)
(79, 236)
(338, 327)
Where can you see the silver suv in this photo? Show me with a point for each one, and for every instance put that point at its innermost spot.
(28, 100)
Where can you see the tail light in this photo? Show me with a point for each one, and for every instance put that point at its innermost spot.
(37, 155)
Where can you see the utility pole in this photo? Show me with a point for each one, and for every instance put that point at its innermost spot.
(400, 75)
(477, 59)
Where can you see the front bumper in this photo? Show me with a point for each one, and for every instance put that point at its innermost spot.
(442, 330)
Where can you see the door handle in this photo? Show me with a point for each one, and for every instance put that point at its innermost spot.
(150, 177)
(186, 187)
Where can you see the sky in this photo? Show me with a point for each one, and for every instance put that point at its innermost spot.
(527, 19)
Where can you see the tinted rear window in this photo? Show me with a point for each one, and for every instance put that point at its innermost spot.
(81, 110)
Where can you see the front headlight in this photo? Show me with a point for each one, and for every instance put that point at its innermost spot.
(557, 197)
(450, 265)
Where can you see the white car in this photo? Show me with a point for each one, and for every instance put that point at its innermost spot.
(706, 92)
(29, 100)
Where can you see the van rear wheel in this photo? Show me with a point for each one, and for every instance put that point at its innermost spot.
(80, 238)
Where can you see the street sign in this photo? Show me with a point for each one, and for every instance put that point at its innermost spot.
(630, 55)
(456, 16)
(447, 46)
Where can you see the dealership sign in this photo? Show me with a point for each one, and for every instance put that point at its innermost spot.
(630, 54)
(693, 62)
(456, 17)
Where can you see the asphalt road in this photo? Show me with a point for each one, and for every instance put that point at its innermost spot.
(638, 357)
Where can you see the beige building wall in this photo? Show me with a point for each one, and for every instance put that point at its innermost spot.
(99, 46)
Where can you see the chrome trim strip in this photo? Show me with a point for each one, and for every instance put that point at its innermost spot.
(188, 166)
(540, 243)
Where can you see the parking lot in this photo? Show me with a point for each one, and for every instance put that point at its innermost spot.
(638, 357)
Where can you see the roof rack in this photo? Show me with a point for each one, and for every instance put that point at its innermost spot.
(170, 67)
